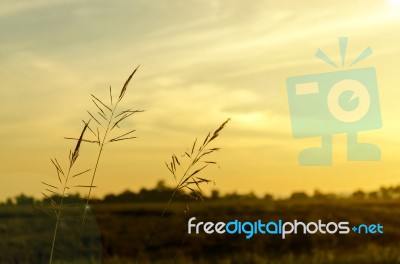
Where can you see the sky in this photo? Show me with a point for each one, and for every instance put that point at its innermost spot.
(201, 62)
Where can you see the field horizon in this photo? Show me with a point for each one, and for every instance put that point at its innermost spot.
(118, 231)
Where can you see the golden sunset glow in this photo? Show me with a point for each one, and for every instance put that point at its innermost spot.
(201, 62)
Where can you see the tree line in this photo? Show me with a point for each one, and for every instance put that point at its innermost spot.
(161, 192)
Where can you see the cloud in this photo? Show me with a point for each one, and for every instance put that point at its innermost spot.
(201, 62)
(19, 8)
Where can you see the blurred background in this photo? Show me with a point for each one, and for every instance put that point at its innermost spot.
(201, 62)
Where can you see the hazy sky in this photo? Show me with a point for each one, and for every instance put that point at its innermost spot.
(201, 62)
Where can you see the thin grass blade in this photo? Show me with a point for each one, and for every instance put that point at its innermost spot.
(126, 85)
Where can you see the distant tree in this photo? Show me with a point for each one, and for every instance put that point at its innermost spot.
(9, 201)
(323, 196)
(396, 192)
(126, 197)
(161, 186)
(373, 195)
(318, 195)
(109, 198)
(358, 194)
(299, 196)
(249, 196)
(22, 199)
(232, 196)
(160, 193)
(268, 197)
(385, 193)
(215, 194)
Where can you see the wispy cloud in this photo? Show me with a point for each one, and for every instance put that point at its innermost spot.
(202, 61)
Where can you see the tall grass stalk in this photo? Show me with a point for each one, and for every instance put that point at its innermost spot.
(107, 119)
(187, 178)
(64, 186)
(110, 119)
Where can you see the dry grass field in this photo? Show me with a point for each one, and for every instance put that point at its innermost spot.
(116, 233)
